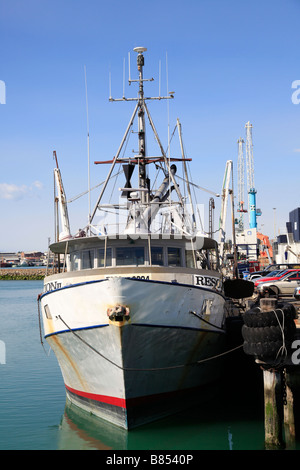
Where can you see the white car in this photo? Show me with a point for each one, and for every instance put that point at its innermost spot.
(297, 293)
(285, 286)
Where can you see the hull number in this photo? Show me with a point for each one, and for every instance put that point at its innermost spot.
(140, 277)
(147, 277)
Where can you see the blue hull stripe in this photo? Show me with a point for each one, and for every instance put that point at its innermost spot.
(132, 279)
(171, 327)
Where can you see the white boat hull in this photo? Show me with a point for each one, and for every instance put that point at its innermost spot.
(128, 370)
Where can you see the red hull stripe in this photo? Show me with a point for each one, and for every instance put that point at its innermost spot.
(121, 402)
(132, 402)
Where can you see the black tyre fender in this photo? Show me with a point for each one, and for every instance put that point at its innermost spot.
(263, 349)
(268, 333)
(284, 312)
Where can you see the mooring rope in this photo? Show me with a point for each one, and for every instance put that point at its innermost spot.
(149, 369)
(206, 321)
(40, 326)
(282, 351)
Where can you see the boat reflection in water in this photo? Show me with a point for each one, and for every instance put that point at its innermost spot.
(82, 431)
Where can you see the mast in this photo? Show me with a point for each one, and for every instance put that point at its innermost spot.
(141, 209)
(141, 128)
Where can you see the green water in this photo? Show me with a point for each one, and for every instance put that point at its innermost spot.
(34, 415)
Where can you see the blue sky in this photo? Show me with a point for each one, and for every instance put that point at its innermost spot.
(229, 62)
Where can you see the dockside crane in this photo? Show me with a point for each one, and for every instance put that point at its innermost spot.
(253, 212)
(241, 184)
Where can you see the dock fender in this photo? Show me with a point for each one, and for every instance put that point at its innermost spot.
(269, 333)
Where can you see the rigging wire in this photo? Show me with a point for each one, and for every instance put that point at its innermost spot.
(94, 187)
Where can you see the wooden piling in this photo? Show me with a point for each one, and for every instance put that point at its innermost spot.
(280, 366)
(273, 409)
(288, 407)
(273, 398)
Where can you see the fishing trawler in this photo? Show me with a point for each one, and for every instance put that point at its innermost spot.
(136, 314)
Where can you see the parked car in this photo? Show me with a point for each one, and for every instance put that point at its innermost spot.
(284, 286)
(297, 293)
(272, 267)
(254, 276)
(273, 276)
(270, 274)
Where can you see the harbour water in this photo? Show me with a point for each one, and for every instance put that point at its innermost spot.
(34, 415)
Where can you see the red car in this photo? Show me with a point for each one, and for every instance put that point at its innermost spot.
(271, 277)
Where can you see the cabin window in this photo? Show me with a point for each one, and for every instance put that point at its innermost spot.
(213, 259)
(101, 258)
(75, 258)
(189, 259)
(174, 257)
(130, 256)
(157, 255)
(87, 259)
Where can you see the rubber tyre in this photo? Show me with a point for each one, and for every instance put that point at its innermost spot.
(271, 291)
(255, 318)
(262, 349)
(275, 290)
(267, 333)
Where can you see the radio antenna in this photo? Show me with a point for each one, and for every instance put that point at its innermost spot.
(124, 78)
(159, 78)
(129, 78)
(167, 79)
(109, 83)
(88, 149)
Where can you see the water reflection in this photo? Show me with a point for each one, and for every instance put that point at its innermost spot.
(217, 425)
(230, 419)
(82, 431)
